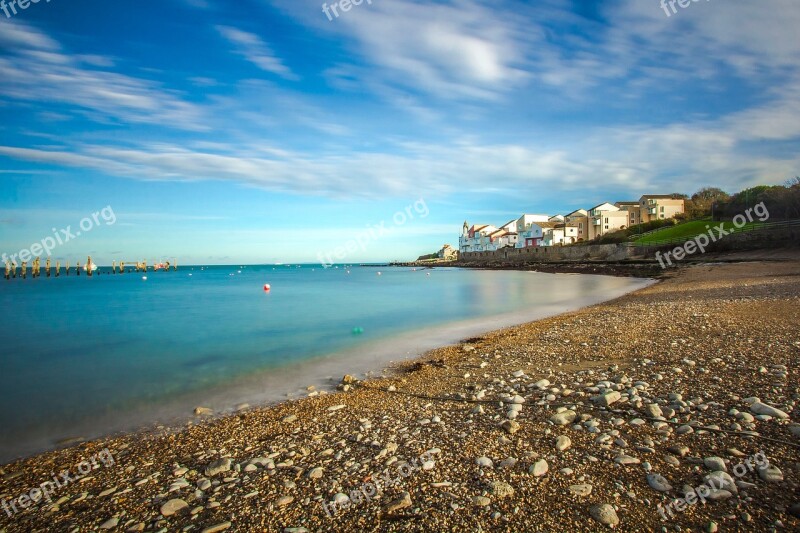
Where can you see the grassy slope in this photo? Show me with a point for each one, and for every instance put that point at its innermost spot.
(686, 230)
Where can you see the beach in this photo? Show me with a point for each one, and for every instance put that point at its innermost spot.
(609, 416)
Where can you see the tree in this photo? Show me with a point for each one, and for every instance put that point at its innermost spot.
(707, 200)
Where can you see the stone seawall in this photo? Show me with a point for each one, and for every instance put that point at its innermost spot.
(755, 240)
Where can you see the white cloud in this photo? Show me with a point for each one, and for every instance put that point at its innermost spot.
(252, 48)
(37, 70)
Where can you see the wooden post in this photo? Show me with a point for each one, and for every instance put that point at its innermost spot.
(14, 270)
(175, 267)
(8, 269)
(77, 268)
(114, 267)
(122, 267)
(66, 267)
(47, 267)
(89, 265)
(24, 270)
(58, 268)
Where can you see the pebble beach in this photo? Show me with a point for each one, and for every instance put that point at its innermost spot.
(673, 408)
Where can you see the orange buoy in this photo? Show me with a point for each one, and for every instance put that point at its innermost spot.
(266, 287)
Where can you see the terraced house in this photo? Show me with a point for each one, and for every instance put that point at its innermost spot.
(579, 225)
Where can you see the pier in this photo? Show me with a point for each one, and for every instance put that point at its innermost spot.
(14, 271)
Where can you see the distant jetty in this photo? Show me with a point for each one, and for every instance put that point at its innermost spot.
(13, 271)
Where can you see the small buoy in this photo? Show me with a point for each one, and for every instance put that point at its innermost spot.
(266, 287)
(190, 273)
(379, 273)
(144, 278)
(428, 274)
(358, 331)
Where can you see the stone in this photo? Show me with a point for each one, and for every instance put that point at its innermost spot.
(626, 460)
(658, 482)
(510, 426)
(219, 466)
(501, 489)
(607, 398)
(581, 490)
(173, 506)
(399, 503)
(605, 514)
(715, 464)
(770, 474)
(216, 528)
(484, 462)
(481, 501)
(284, 500)
(760, 408)
(539, 468)
(203, 411)
(111, 523)
(315, 473)
(563, 443)
(563, 418)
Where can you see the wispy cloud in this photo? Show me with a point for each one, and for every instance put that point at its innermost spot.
(251, 47)
(35, 69)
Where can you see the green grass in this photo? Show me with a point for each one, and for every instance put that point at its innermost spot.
(687, 230)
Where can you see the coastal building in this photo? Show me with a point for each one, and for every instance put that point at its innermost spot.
(606, 218)
(560, 234)
(579, 218)
(660, 206)
(529, 233)
(634, 211)
(476, 238)
(448, 253)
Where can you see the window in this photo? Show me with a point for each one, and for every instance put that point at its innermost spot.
(606, 222)
(662, 208)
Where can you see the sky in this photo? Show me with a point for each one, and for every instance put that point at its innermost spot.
(262, 131)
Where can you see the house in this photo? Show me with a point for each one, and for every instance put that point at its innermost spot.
(660, 206)
(634, 212)
(606, 218)
(556, 218)
(448, 253)
(476, 238)
(528, 232)
(560, 234)
(579, 218)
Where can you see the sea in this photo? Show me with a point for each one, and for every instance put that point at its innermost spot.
(83, 357)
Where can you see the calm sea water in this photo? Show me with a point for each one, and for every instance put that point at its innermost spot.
(86, 356)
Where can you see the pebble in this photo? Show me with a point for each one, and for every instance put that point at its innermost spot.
(583, 489)
(222, 526)
(173, 506)
(760, 408)
(484, 462)
(399, 503)
(539, 468)
(218, 467)
(563, 443)
(658, 482)
(605, 514)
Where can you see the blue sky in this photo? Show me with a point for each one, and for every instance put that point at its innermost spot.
(261, 131)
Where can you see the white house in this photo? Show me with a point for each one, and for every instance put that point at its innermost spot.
(529, 232)
(560, 234)
(476, 238)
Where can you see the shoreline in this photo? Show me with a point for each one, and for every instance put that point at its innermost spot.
(266, 388)
(745, 315)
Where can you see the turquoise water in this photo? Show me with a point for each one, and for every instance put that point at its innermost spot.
(82, 356)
